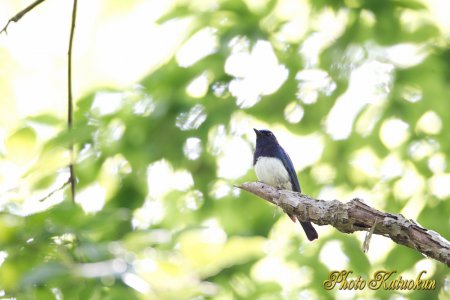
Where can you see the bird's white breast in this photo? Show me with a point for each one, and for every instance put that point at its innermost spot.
(271, 171)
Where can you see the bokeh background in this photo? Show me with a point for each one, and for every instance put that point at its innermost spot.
(167, 94)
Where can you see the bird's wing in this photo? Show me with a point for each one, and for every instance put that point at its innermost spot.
(290, 167)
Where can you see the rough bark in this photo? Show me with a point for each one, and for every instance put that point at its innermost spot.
(356, 216)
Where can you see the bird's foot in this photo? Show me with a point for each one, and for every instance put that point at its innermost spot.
(293, 218)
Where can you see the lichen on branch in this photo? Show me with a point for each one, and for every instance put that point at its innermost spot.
(355, 216)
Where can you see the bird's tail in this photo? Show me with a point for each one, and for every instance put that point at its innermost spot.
(311, 233)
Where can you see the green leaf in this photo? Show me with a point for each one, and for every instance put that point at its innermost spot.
(411, 4)
(21, 144)
(46, 119)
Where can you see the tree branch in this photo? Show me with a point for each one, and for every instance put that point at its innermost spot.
(355, 216)
(70, 98)
(20, 14)
(55, 191)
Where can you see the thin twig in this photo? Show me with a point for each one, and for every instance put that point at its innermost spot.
(368, 238)
(20, 14)
(70, 98)
(57, 190)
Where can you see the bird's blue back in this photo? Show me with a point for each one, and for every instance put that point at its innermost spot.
(290, 167)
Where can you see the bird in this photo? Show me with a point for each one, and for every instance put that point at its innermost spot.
(274, 167)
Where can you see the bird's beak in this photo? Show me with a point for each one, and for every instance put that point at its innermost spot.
(256, 131)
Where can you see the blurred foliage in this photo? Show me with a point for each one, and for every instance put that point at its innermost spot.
(186, 233)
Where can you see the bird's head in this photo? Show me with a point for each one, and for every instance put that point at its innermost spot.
(265, 136)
